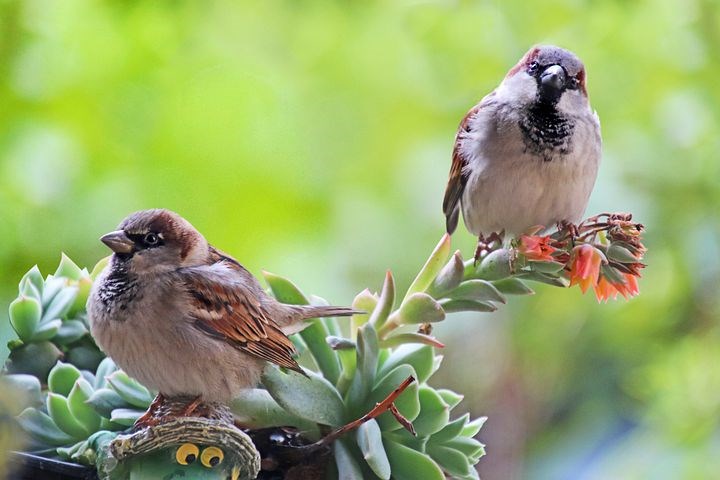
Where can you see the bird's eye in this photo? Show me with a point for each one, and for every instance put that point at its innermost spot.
(572, 83)
(151, 239)
(187, 453)
(533, 67)
(211, 457)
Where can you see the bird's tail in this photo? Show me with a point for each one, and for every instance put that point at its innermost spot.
(318, 311)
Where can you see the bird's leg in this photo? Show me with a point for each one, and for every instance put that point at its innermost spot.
(148, 418)
(485, 245)
(571, 229)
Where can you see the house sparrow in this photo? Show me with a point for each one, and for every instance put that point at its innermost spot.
(185, 319)
(528, 153)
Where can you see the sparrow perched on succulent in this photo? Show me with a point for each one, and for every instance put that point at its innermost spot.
(528, 153)
(186, 319)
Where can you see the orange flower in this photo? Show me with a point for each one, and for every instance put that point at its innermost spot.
(585, 266)
(628, 288)
(535, 247)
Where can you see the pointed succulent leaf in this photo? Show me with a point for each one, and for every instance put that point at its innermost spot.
(433, 266)
(451, 430)
(35, 278)
(407, 403)
(28, 289)
(411, 337)
(66, 453)
(420, 357)
(106, 367)
(125, 416)
(549, 268)
(340, 343)
(84, 285)
(285, 290)
(87, 356)
(327, 360)
(469, 447)
(347, 466)
(311, 397)
(385, 303)
(497, 265)
(363, 302)
(79, 406)
(255, 408)
(403, 437)
(41, 427)
(99, 267)
(513, 286)
(449, 277)
(25, 313)
(434, 412)
(130, 389)
(367, 354)
(620, 254)
(453, 462)
(67, 268)
(420, 308)
(408, 464)
(452, 306)
(52, 287)
(60, 304)
(543, 278)
(369, 440)
(450, 397)
(477, 290)
(70, 331)
(47, 330)
(472, 428)
(105, 400)
(27, 386)
(62, 378)
(57, 407)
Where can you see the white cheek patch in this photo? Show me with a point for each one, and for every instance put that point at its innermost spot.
(521, 88)
(573, 102)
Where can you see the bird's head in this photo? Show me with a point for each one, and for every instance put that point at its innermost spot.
(152, 241)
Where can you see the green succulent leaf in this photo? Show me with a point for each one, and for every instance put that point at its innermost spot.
(59, 410)
(105, 400)
(62, 378)
(420, 308)
(469, 447)
(449, 277)
(411, 337)
(79, 406)
(550, 268)
(513, 286)
(86, 356)
(451, 306)
(497, 265)
(451, 430)
(84, 285)
(28, 388)
(34, 277)
(420, 357)
(369, 439)
(385, 303)
(28, 289)
(106, 367)
(256, 408)
(409, 464)
(52, 287)
(453, 462)
(472, 428)
(367, 354)
(47, 330)
(285, 290)
(25, 313)
(543, 278)
(347, 466)
(407, 403)
(433, 266)
(41, 427)
(67, 268)
(312, 398)
(478, 291)
(70, 331)
(130, 389)
(450, 397)
(34, 359)
(434, 412)
(363, 302)
(99, 267)
(125, 416)
(61, 303)
(620, 254)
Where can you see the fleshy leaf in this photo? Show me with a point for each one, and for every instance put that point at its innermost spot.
(47, 330)
(411, 337)
(409, 464)
(35, 277)
(451, 430)
(449, 277)
(420, 308)
(57, 407)
(99, 267)
(363, 302)
(369, 440)
(132, 391)
(105, 400)
(450, 397)
(60, 304)
(385, 303)
(434, 412)
(453, 462)
(68, 268)
(62, 378)
(420, 357)
(495, 266)
(451, 306)
(125, 416)
(513, 286)
(70, 331)
(407, 403)
(433, 266)
(81, 410)
(41, 427)
(255, 408)
(479, 291)
(25, 313)
(348, 468)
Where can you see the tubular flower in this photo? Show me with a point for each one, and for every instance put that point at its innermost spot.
(535, 247)
(606, 289)
(585, 266)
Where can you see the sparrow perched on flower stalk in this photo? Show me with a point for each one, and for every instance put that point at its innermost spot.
(528, 153)
(184, 318)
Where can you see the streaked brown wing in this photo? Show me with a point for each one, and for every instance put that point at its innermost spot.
(231, 311)
(458, 175)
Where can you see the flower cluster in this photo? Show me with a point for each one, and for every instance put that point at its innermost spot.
(604, 253)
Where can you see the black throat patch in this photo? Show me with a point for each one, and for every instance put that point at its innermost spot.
(546, 132)
(119, 287)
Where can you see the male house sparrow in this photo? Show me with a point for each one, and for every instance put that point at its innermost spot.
(528, 153)
(186, 319)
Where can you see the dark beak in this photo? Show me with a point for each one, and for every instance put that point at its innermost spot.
(552, 80)
(118, 242)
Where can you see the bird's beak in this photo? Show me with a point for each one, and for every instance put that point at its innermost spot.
(118, 242)
(553, 79)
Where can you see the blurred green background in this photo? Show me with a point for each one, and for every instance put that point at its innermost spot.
(313, 139)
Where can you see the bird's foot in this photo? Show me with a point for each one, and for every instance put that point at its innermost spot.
(487, 244)
(569, 228)
(149, 418)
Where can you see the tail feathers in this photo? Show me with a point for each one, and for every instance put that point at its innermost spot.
(318, 311)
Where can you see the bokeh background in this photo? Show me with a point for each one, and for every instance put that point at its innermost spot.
(313, 138)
